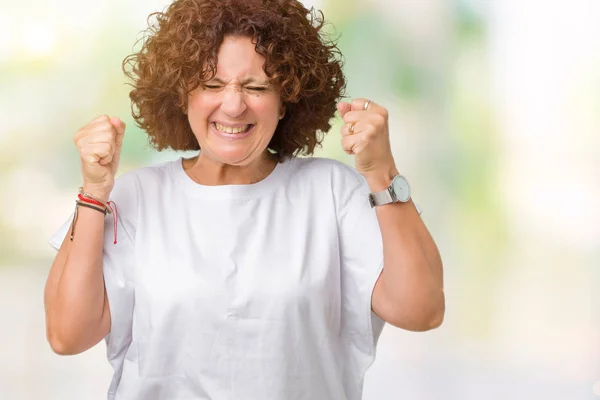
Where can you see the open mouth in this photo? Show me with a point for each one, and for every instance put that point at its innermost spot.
(232, 131)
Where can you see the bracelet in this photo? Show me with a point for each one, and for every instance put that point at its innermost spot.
(104, 211)
(81, 203)
(90, 198)
(76, 214)
(96, 200)
(91, 201)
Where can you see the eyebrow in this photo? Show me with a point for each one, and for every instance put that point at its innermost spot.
(245, 81)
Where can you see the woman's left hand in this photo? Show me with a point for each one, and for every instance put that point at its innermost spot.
(365, 134)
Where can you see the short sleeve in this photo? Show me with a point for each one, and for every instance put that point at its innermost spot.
(361, 255)
(118, 266)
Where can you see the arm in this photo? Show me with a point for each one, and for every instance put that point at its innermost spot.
(75, 301)
(409, 293)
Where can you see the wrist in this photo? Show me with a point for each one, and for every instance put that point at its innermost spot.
(102, 192)
(381, 179)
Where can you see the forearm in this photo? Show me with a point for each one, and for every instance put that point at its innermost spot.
(74, 295)
(412, 264)
(412, 277)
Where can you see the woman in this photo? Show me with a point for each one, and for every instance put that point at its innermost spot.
(244, 272)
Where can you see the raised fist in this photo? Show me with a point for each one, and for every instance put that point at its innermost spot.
(99, 143)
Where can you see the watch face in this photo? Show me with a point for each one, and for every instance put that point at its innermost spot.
(401, 188)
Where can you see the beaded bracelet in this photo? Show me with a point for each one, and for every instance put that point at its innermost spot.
(91, 201)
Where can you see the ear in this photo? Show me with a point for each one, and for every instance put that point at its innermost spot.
(184, 107)
(282, 111)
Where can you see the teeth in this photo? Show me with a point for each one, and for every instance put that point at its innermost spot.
(228, 129)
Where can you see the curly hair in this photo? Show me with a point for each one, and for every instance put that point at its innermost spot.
(180, 53)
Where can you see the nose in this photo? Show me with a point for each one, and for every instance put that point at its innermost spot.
(233, 103)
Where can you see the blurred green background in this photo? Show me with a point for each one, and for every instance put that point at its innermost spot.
(494, 117)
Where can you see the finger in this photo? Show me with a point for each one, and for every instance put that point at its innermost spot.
(350, 143)
(350, 128)
(100, 152)
(358, 104)
(373, 108)
(106, 123)
(353, 116)
(118, 125)
(98, 121)
(97, 152)
(101, 137)
(120, 129)
(97, 125)
(105, 161)
(100, 118)
(343, 107)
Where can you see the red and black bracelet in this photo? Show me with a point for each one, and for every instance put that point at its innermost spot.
(90, 201)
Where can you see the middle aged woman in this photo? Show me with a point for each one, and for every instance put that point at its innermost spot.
(245, 272)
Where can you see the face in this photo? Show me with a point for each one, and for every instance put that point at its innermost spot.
(235, 114)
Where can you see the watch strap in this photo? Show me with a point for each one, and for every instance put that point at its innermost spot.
(381, 198)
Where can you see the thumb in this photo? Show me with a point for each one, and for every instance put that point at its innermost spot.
(118, 125)
(119, 128)
(343, 107)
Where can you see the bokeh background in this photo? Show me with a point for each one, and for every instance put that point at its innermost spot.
(495, 119)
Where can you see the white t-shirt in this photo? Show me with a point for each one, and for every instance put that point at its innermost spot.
(253, 292)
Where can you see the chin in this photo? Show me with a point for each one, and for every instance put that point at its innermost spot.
(236, 157)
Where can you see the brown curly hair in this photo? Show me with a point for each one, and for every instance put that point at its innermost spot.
(180, 53)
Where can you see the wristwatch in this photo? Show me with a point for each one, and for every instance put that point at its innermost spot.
(398, 191)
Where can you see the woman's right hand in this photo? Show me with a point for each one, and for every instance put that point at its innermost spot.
(99, 144)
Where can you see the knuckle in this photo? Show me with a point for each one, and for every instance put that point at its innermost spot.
(79, 142)
(105, 128)
(102, 118)
(99, 137)
(104, 149)
(379, 119)
(79, 135)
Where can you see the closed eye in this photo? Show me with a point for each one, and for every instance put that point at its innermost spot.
(254, 88)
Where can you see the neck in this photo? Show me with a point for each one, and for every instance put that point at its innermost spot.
(205, 171)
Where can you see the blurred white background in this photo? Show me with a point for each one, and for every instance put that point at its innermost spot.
(495, 118)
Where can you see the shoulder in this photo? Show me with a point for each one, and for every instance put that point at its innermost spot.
(143, 175)
(334, 171)
(347, 187)
(128, 185)
(155, 171)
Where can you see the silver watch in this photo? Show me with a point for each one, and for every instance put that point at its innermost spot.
(398, 191)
